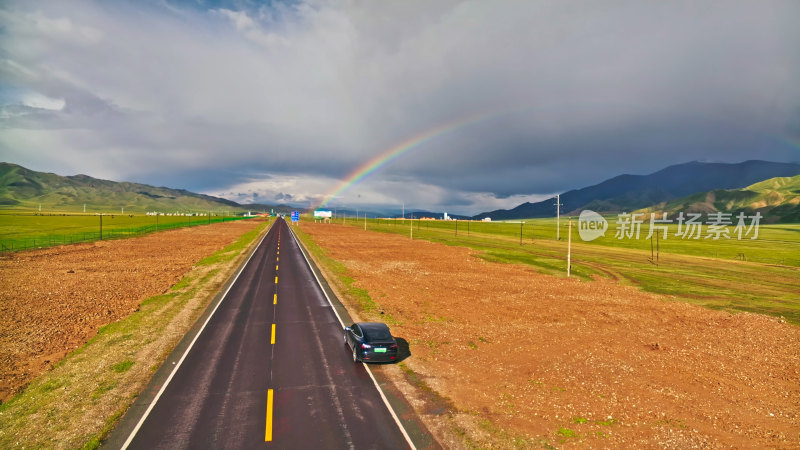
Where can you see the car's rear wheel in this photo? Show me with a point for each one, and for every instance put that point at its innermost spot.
(355, 355)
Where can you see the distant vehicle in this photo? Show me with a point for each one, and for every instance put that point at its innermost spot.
(371, 342)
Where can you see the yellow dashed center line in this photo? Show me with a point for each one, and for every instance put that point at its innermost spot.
(270, 395)
(268, 435)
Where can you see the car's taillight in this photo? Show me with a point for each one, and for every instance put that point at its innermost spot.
(366, 346)
(393, 346)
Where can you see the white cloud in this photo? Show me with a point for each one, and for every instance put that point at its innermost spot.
(36, 100)
(377, 193)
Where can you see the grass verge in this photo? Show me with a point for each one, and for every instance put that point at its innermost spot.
(81, 399)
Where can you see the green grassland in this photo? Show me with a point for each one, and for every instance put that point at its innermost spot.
(23, 230)
(757, 275)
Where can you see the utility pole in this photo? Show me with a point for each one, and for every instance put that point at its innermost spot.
(558, 216)
(404, 211)
(652, 253)
(365, 221)
(569, 248)
(412, 225)
(520, 232)
(101, 226)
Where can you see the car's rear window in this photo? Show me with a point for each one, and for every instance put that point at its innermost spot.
(377, 333)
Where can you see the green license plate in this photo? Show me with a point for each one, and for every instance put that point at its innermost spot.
(380, 350)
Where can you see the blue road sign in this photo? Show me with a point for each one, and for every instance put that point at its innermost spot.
(295, 216)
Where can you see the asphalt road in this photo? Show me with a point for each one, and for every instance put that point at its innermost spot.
(270, 370)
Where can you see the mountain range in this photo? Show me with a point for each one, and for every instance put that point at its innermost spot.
(627, 193)
(24, 188)
(768, 187)
(777, 199)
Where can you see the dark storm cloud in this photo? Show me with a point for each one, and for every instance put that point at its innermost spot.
(288, 98)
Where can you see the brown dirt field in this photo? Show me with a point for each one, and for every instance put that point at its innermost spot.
(557, 361)
(54, 300)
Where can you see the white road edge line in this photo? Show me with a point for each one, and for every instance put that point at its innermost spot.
(188, 349)
(374, 381)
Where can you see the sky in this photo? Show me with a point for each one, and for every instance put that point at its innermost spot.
(485, 105)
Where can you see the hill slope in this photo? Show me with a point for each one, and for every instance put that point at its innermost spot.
(626, 193)
(24, 188)
(777, 199)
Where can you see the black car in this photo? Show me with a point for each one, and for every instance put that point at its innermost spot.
(371, 342)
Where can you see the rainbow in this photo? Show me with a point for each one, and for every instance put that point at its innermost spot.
(793, 141)
(413, 142)
(400, 148)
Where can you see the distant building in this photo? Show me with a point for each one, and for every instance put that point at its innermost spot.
(486, 219)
